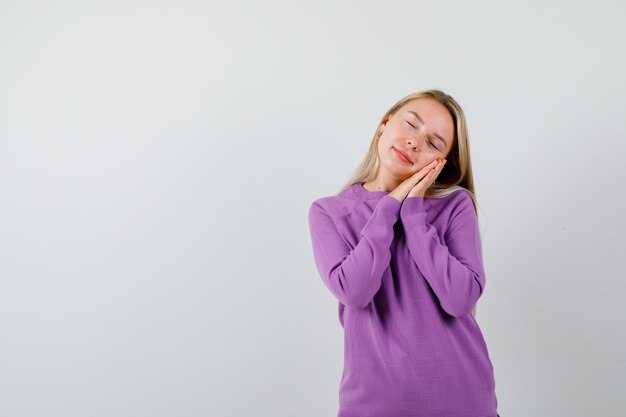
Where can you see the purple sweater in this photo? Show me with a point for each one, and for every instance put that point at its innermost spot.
(406, 290)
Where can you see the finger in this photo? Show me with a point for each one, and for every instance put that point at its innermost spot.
(424, 171)
(420, 176)
(430, 177)
(432, 164)
(425, 183)
(438, 168)
(428, 166)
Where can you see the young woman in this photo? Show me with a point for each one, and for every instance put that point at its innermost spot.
(402, 254)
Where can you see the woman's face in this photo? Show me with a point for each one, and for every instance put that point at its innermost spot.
(422, 129)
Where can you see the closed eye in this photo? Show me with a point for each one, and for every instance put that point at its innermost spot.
(429, 142)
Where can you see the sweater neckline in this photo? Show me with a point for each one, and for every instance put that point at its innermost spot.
(365, 194)
(362, 192)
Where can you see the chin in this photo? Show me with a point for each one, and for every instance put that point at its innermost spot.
(399, 171)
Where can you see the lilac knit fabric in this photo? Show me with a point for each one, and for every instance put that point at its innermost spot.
(405, 292)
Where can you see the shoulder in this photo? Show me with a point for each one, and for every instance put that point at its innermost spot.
(336, 206)
(462, 198)
(457, 199)
(457, 208)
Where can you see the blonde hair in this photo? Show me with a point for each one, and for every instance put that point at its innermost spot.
(456, 174)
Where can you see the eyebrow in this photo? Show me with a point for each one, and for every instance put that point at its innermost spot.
(422, 122)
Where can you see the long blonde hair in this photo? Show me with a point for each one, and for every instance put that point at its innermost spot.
(456, 174)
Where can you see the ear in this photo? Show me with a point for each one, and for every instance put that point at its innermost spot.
(382, 126)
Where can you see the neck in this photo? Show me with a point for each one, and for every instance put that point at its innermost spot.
(377, 186)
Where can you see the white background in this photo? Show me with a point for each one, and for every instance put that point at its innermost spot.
(158, 159)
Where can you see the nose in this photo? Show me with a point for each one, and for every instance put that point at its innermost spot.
(414, 142)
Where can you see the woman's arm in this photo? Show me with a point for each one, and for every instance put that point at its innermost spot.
(354, 276)
(454, 270)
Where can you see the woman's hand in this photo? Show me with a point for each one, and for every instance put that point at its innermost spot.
(427, 179)
(417, 184)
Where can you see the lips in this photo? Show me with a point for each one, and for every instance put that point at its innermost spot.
(402, 155)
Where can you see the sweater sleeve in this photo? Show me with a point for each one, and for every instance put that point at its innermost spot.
(354, 276)
(454, 270)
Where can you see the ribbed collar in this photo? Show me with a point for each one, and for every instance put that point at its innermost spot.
(365, 194)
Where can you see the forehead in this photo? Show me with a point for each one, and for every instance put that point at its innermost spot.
(430, 110)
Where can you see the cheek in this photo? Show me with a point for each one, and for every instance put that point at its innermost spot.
(423, 161)
(385, 141)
